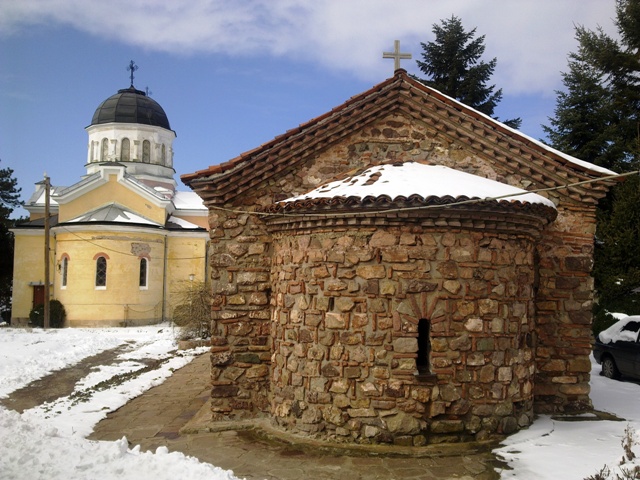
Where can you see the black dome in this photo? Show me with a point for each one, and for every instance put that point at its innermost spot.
(131, 106)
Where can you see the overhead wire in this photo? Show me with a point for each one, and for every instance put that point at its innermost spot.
(113, 250)
(374, 212)
(425, 207)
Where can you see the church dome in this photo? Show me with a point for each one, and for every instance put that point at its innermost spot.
(130, 105)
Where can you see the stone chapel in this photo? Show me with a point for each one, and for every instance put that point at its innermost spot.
(384, 274)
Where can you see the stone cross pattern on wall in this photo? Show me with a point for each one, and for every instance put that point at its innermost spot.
(396, 55)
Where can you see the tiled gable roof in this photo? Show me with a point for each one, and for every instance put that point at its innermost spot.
(400, 93)
(412, 179)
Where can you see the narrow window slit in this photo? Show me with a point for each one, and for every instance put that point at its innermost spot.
(424, 347)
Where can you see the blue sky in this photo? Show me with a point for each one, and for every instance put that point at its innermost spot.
(231, 75)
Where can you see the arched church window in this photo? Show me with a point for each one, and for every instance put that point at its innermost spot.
(104, 151)
(164, 155)
(125, 150)
(64, 269)
(144, 272)
(424, 346)
(101, 272)
(146, 151)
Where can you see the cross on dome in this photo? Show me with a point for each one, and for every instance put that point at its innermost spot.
(396, 55)
(132, 67)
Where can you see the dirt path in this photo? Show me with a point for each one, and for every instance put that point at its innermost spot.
(157, 417)
(60, 383)
(162, 417)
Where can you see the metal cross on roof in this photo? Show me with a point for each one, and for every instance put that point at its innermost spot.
(396, 55)
(132, 67)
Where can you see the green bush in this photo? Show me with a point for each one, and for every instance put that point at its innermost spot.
(601, 321)
(57, 315)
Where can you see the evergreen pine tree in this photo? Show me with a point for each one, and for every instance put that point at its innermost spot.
(617, 254)
(9, 199)
(597, 119)
(584, 122)
(618, 63)
(453, 66)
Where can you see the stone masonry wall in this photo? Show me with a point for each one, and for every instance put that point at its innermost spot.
(241, 256)
(564, 305)
(240, 347)
(346, 307)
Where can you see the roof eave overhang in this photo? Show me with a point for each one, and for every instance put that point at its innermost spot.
(498, 216)
(102, 178)
(549, 169)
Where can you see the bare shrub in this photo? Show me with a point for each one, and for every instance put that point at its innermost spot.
(628, 441)
(192, 313)
(624, 473)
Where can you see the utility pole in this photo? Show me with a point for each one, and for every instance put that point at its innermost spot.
(47, 190)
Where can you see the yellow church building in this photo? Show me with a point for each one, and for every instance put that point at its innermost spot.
(122, 240)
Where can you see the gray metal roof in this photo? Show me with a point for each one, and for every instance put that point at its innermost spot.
(131, 106)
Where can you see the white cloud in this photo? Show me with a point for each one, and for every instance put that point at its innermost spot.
(530, 38)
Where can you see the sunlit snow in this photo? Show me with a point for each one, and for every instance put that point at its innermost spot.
(48, 442)
(619, 332)
(412, 178)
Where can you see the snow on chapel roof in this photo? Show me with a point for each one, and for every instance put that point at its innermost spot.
(426, 181)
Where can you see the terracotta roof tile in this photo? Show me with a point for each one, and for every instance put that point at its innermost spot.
(220, 183)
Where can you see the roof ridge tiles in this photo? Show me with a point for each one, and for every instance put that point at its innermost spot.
(222, 182)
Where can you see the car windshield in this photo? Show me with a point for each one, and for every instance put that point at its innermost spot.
(632, 326)
(625, 330)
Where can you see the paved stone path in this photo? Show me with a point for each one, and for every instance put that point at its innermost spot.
(165, 414)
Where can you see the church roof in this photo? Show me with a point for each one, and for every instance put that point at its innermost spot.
(131, 106)
(176, 223)
(517, 152)
(188, 201)
(38, 196)
(422, 182)
(37, 223)
(113, 213)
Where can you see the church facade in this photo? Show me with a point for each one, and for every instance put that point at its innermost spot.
(384, 274)
(122, 239)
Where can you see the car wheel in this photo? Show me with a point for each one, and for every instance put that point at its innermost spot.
(609, 368)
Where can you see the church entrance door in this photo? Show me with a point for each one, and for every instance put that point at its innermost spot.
(38, 295)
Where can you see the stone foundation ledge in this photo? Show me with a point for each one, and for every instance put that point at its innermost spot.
(189, 344)
(589, 416)
(264, 429)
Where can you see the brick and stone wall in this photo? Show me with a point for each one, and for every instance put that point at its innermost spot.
(318, 327)
(240, 345)
(346, 307)
(564, 304)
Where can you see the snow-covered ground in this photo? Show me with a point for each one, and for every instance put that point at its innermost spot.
(48, 442)
(562, 449)
(552, 449)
